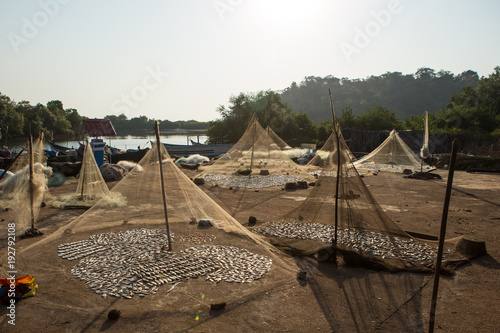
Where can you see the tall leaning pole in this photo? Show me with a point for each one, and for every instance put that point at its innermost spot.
(337, 136)
(442, 234)
(32, 181)
(162, 182)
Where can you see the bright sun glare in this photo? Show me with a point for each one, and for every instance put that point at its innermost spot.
(280, 13)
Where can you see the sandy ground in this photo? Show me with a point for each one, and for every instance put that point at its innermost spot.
(334, 299)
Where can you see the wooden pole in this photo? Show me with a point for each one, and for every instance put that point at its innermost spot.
(268, 147)
(162, 182)
(12, 163)
(32, 179)
(426, 141)
(442, 234)
(253, 143)
(83, 169)
(337, 135)
(39, 154)
(337, 191)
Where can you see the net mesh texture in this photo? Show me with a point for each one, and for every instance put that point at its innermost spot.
(15, 190)
(392, 155)
(364, 228)
(124, 251)
(257, 160)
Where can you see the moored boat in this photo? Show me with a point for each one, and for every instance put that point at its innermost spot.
(204, 150)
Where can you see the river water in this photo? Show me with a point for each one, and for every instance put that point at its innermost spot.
(128, 142)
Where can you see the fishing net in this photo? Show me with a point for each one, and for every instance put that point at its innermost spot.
(91, 187)
(123, 252)
(38, 155)
(276, 138)
(392, 155)
(18, 195)
(326, 159)
(424, 151)
(365, 232)
(255, 161)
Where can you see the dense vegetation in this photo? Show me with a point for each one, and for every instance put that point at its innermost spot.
(407, 94)
(377, 103)
(54, 119)
(51, 118)
(142, 125)
(293, 127)
(475, 112)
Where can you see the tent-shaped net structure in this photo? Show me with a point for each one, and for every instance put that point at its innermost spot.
(16, 192)
(392, 155)
(326, 159)
(364, 229)
(91, 186)
(256, 160)
(123, 252)
(276, 138)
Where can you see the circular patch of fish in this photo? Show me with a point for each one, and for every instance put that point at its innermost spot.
(364, 241)
(333, 173)
(254, 181)
(136, 262)
(197, 238)
(235, 264)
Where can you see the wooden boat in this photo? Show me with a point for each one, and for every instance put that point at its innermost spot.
(129, 155)
(204, 150)
(59, 148)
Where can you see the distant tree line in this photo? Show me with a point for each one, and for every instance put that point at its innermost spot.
(475, 112)
(405, 94)
(16, 119)
(293, 127)
(141, 125)
(53, 118)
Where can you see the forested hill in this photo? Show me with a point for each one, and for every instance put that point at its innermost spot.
(406, 95)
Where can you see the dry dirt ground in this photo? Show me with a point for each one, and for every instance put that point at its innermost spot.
(333, 299)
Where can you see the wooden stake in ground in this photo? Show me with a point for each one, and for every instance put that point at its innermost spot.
(338, 179)
(253, 143)
(424, 152)
(32, 182)
(158, 143)
(442, 234)
(84, 167)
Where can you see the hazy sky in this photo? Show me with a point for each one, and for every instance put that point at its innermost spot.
(180, 60)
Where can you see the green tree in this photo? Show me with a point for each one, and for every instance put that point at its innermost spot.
(378, 118)
(475, 111)
(324, 130)
(32, 117)
(348, 118)
(417, 122)
(75, 120)
(270, 110)
(10, 117)
(406, 94)
(167, 124)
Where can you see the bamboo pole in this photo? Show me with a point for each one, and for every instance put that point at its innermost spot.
(83, 168)
(337, 135)
(426, 141)
(162, 182)
(253, 143)
(268, 145)
(31, 184)
(12, 163)
(442, 234)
